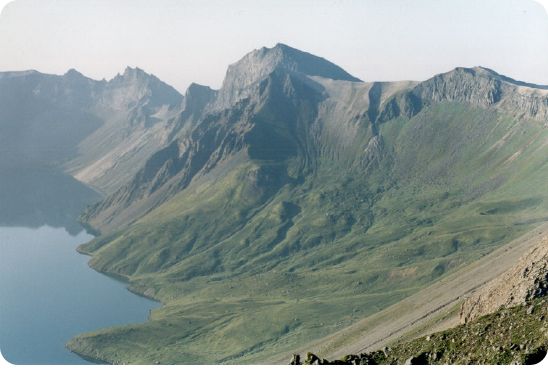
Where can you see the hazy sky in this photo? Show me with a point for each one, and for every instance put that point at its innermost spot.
(185, 41)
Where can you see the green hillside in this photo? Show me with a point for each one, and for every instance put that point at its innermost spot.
(517, 335)
(270, 252)
(303, 200)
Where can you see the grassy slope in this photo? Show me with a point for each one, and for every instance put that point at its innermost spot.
(517, 335)
(242, 279)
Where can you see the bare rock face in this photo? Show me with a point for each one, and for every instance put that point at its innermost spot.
(313, 103)
(486, 88)
(528, 279)
(258, 64)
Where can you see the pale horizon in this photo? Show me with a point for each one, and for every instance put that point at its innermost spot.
(191, 41)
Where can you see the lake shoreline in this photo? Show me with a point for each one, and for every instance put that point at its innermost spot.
(118, 278)
(115, 276)
(46, 263)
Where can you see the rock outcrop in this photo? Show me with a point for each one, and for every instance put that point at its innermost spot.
(528, 279)
(486, 88)
(258, 64)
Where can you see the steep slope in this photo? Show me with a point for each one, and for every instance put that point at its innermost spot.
(485, 88)
(346, 112)
(503, 322)
(136, 111)
(527, 280)
(242, 76)
(312, 201)
(196, 102)
(263, 81)
(508, 336)
(98, 131)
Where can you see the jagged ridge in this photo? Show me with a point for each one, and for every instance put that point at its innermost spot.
(322, 199)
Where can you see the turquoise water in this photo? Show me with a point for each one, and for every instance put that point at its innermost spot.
(48, 294)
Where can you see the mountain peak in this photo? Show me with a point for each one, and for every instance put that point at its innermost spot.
(136, 70)
(291, 59)
(73, 73)
(197, 88)
(197, 97)
(135, 84)
(135, 74)
(486, 73)
(258, 64)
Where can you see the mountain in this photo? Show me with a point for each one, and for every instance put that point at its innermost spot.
(257, 65)
(66, 139)
(485, 88)
(301, 200)
(172, 168)
(41, 116)
(135, 110)
(380, 102)
(72, 121)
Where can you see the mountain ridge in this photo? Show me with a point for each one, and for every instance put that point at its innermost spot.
(311, 200)
(384, 101)
(288, 205)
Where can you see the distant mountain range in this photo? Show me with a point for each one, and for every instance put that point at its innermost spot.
(289, 203)
(95, 130)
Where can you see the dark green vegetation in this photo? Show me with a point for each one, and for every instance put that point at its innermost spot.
(299, 204)
(517, 335)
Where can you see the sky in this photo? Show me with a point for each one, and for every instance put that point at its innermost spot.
(188, 41)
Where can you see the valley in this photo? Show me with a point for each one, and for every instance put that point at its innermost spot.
(297, 202)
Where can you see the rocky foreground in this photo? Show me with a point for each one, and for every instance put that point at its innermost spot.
(526, 280)
(505, 322)
(517, 335)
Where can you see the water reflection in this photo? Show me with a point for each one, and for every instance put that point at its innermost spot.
(34, 196)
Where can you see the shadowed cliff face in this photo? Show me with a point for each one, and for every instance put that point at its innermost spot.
(268, 130)
(283, 104)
